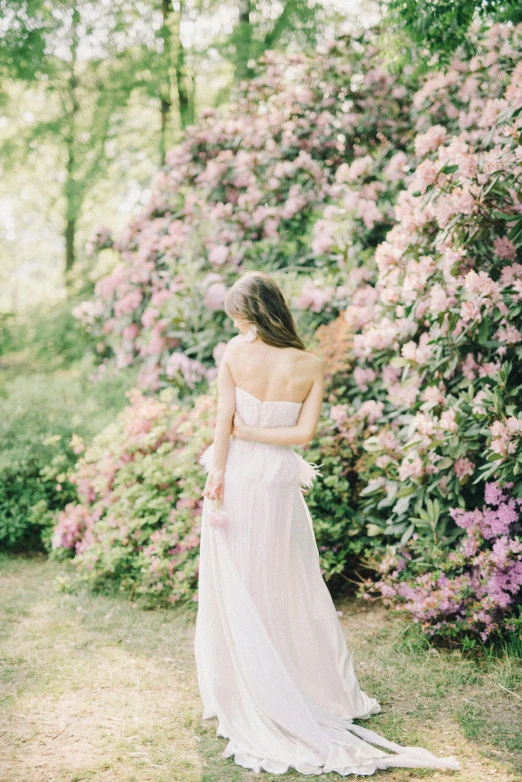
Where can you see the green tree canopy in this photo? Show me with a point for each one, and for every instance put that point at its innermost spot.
(442, 25)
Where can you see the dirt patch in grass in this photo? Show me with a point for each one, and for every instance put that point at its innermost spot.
(97, 689)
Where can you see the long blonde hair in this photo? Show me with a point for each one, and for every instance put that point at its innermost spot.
(256, 297)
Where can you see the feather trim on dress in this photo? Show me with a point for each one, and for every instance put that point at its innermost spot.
(307, 471)
(206, 458)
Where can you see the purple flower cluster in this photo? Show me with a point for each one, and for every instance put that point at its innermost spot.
(474, 590)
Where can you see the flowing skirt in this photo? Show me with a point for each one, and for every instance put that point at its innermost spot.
(272, 662)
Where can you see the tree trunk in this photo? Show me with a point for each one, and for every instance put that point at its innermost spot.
(165, 99)
(70, 185)
(185, 102)
(175, 70)
(70, 252)
(244, 41)
(165, 114)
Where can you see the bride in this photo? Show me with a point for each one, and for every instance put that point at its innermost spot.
(272, 661)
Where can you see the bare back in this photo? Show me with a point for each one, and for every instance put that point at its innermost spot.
(272, 374)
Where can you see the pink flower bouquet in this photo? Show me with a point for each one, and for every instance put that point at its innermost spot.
(217, 518)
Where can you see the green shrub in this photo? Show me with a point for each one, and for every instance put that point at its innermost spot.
(38, 418)
(53, 337)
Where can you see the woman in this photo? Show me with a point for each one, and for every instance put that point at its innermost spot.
(272, 662)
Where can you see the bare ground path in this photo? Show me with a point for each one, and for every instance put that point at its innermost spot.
(96, 689)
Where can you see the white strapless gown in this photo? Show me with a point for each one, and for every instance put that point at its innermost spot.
(272, 661)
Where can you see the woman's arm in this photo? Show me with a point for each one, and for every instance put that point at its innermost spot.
(225, 413)
(306, 426)
(214, 487)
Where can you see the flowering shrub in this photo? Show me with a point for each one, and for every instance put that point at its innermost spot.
(138, 521)
(242, 191)
(470, 593)
(426, 405)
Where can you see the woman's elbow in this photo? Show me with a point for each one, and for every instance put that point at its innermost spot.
(305, 437)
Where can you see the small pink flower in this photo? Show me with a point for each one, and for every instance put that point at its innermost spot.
(217, 518)
(77, 444)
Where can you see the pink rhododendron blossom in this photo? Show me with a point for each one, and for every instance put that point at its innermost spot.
(218, 255)
(106, 287)
(193, 371)
(314, 296)
(432, 395)
(368, 212)
(73, 524)
(131, 332)
(339, 414)
(439, 299)
(394, 170)
(411, 468)
(448, 422)
(469, 311)
(430, 141)
(504, 248)
(469, 367)
(128, 303)
(426, 174)
(156, 343)
(370, 410)
(160, 297)
(463, 467)
(462, 201)
(215, 296)
(363, 376)
(323, 236)
(510, 275)
(359, 168)
(149, 317)
(508, 334)
(402, 395)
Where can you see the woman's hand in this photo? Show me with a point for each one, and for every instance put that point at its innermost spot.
(239, 428)
(215, 485)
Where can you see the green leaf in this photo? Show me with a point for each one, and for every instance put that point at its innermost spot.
(401, 506)
(483, 332)
(396, 529)
(421, 523)
(372, 488)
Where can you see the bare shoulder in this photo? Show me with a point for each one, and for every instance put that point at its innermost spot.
(232, 347)
(313, 363)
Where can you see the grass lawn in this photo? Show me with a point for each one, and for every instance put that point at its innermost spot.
(95, 688)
